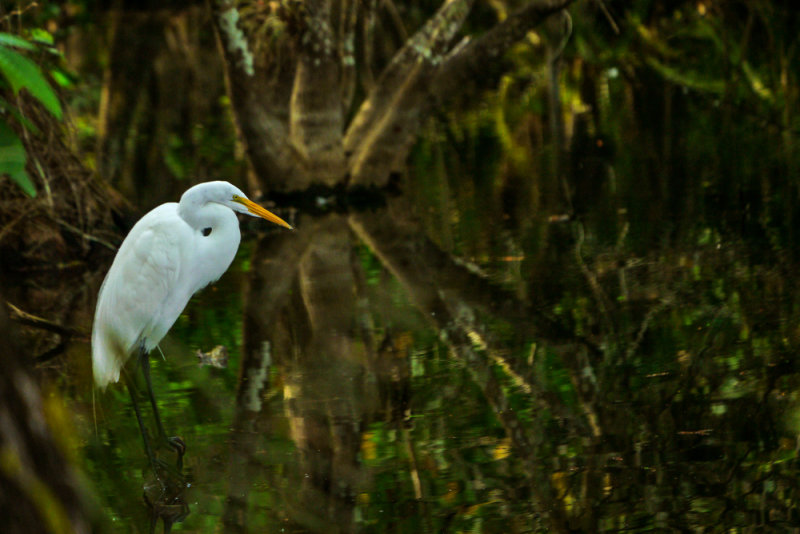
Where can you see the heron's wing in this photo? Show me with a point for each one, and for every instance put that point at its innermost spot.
(142, 279)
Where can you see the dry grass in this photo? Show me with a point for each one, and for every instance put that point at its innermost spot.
(54, 247)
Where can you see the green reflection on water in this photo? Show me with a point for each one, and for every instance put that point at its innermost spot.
(642, 375)
(694, 378)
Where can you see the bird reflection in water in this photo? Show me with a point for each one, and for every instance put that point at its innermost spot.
(165, 497)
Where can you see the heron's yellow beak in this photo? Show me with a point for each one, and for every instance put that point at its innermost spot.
(262, 212)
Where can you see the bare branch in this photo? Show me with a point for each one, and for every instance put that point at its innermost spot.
(387, 142)
(388, 121)
(35, 321)
(397, 20)
(413, 62)
(471, 61)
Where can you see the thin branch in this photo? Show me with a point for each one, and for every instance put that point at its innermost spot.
(397, 20)
(608, 15)
(28, 319)
(637, 341)
(86, 236)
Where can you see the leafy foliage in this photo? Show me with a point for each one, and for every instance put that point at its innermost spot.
(19, 73)
(13, 159)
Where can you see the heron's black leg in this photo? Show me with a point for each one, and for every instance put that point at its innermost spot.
(144, 361)
(147, 448)
(175, 443)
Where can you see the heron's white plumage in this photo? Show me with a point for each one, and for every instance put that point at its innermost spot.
(172, 252)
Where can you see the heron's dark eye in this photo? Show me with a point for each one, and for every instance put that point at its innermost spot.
(206, 231)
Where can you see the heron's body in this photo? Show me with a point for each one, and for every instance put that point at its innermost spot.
(171, 253)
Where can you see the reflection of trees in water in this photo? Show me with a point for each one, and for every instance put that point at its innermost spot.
(660, 414)
(301, 311)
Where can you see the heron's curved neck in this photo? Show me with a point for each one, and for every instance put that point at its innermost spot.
(190, 208)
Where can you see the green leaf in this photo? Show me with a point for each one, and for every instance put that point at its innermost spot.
(7, 39)
(62, 78)
(21, 72)
(42, 36)
(13, 159)
(5, 107)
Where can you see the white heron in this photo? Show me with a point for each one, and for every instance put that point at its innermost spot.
(171, 253)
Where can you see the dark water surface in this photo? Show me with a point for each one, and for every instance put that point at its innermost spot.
(605, 341)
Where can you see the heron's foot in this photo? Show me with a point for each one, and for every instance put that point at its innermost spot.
(177, 444)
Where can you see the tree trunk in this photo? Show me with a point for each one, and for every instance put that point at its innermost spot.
(292, 84)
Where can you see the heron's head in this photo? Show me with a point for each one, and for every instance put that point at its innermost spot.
(229, 196)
